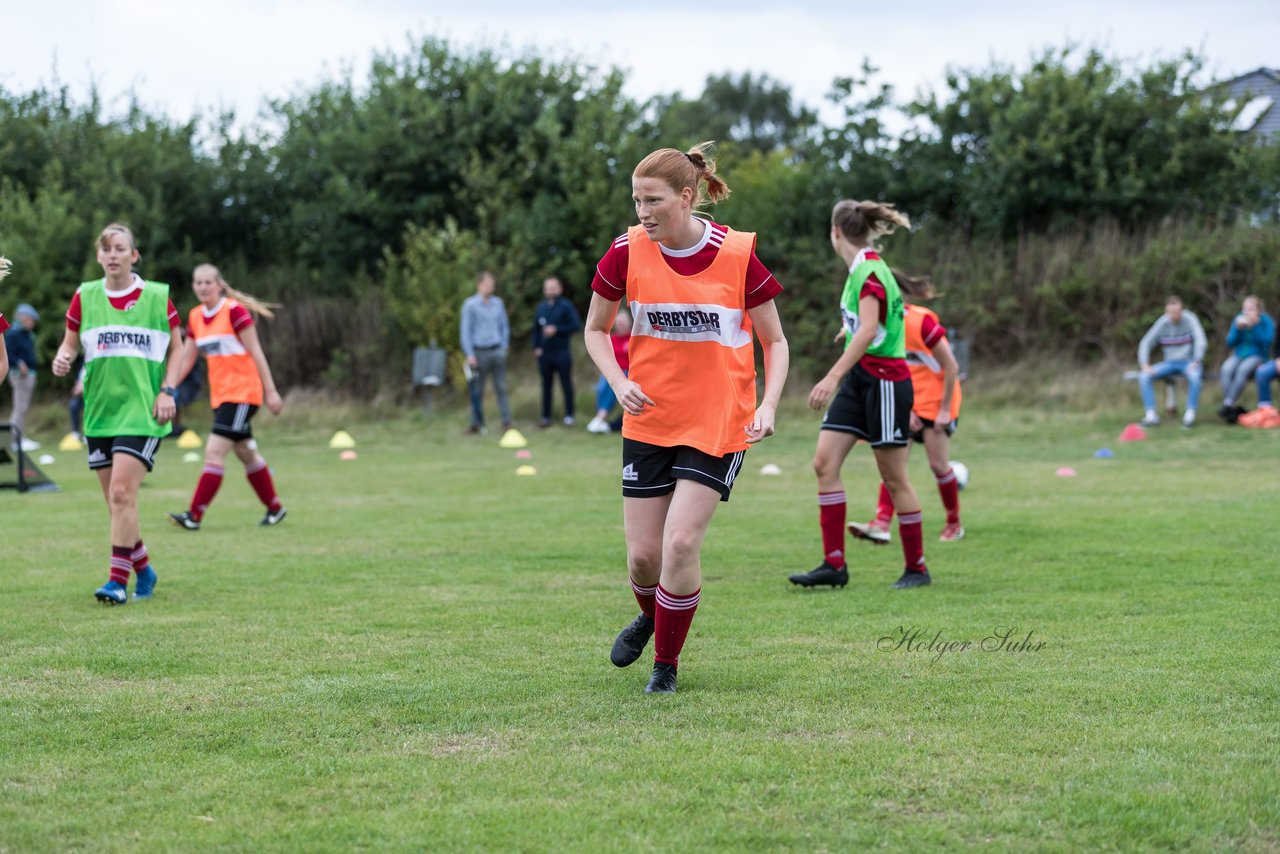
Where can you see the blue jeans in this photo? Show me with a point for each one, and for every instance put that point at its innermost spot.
(1263, 376)
(605, 398)
(1235, 374)
(1192, 371)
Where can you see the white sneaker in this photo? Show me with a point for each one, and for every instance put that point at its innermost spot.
(29, 445)
(1189, 418)
(1150, 419)
(568, 421)
(598, 425)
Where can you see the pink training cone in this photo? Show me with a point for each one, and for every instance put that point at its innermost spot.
(1133, 433)
(524, 454)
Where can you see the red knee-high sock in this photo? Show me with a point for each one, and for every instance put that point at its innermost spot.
(645, 596)
(121, 563)
(909, 529)
(206, 488)
(832, 511)
(671, 622)
(884, 507)
(949, 489)
(260, 479)
(140, 557)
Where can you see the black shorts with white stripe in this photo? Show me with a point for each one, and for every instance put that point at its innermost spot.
(651, 471)
(231, 421)
(875, 410)
(102, 449)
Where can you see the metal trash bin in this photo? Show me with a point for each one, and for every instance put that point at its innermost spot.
(429, 367)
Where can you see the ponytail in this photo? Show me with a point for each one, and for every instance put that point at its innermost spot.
(914, 287)
(679, 169)
(5, 265)
(255, 305)
(863, 222)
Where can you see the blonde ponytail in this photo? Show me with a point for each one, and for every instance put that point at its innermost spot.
(5, 265)
(255, 305)
(914, 287)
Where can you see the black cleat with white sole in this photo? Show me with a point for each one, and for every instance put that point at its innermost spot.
(273, 517)
(184, 520)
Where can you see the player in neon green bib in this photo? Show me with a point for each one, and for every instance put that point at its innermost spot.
(132, 362)
(869, 392)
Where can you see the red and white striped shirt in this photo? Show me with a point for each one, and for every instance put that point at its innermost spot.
(120, 301)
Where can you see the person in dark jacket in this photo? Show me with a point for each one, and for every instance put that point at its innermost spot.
(554, 324)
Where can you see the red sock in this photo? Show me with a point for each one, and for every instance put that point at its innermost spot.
(260, 479)
(909, 529)
(884, 507)
(140, 557)
(832, 507)
(671, 624)
(121, 563)
(645, 596)
(949, 489)
(206, 488)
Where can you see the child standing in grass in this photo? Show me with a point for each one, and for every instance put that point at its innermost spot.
(935, 410)
(870, 395)
(132, 358)
(697, 292)
(221, 328)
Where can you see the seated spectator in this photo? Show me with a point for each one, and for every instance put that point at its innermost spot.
(1250, 338)
(1182, 346)
(620, 338)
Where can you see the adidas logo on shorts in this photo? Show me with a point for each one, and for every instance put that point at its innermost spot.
(97, 457)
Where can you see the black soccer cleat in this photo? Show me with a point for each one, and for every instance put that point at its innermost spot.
(273, 518)
(184, 520)
(631, 641)
(823, 573)
(662, 680)
(912, 578)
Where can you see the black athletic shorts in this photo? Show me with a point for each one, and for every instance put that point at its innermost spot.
(918, 435)
(651, 471)
(103, 448)
(875, 410)
(231, 421)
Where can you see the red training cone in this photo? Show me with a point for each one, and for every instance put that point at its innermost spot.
(1133, 433)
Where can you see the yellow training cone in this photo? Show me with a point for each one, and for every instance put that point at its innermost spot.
(342, 439)
(526, 470)
(190, 439)
(191, 457)
(512, 439)
(70, 443)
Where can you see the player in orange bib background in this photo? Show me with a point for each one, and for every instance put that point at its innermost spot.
(935, 414)
(221, 329)
(697, 293)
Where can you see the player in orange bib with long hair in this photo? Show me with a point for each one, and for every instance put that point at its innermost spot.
(697, 294)
(935, 412)
(221, 329)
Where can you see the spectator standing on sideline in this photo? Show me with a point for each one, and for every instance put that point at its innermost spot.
(1182, 344)
(486, 336)
(554, 323)
(20, 344)
(1250, 338)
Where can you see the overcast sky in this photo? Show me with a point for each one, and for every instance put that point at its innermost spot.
(184, 56)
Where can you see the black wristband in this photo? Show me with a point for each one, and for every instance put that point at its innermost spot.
(169, 390)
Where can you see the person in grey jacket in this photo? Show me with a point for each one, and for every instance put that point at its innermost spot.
(485, 335)
(1182, 344)
(20, 342)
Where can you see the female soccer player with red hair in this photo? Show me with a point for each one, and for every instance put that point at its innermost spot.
(697, 293)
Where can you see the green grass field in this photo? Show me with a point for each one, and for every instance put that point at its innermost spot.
(418, 657)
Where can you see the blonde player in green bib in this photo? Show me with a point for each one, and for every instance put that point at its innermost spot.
(133, 358)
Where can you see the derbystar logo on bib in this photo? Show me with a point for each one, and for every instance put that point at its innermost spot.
(124, 341)
(689, 322)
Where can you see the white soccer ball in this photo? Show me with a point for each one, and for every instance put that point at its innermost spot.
(962, 474)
